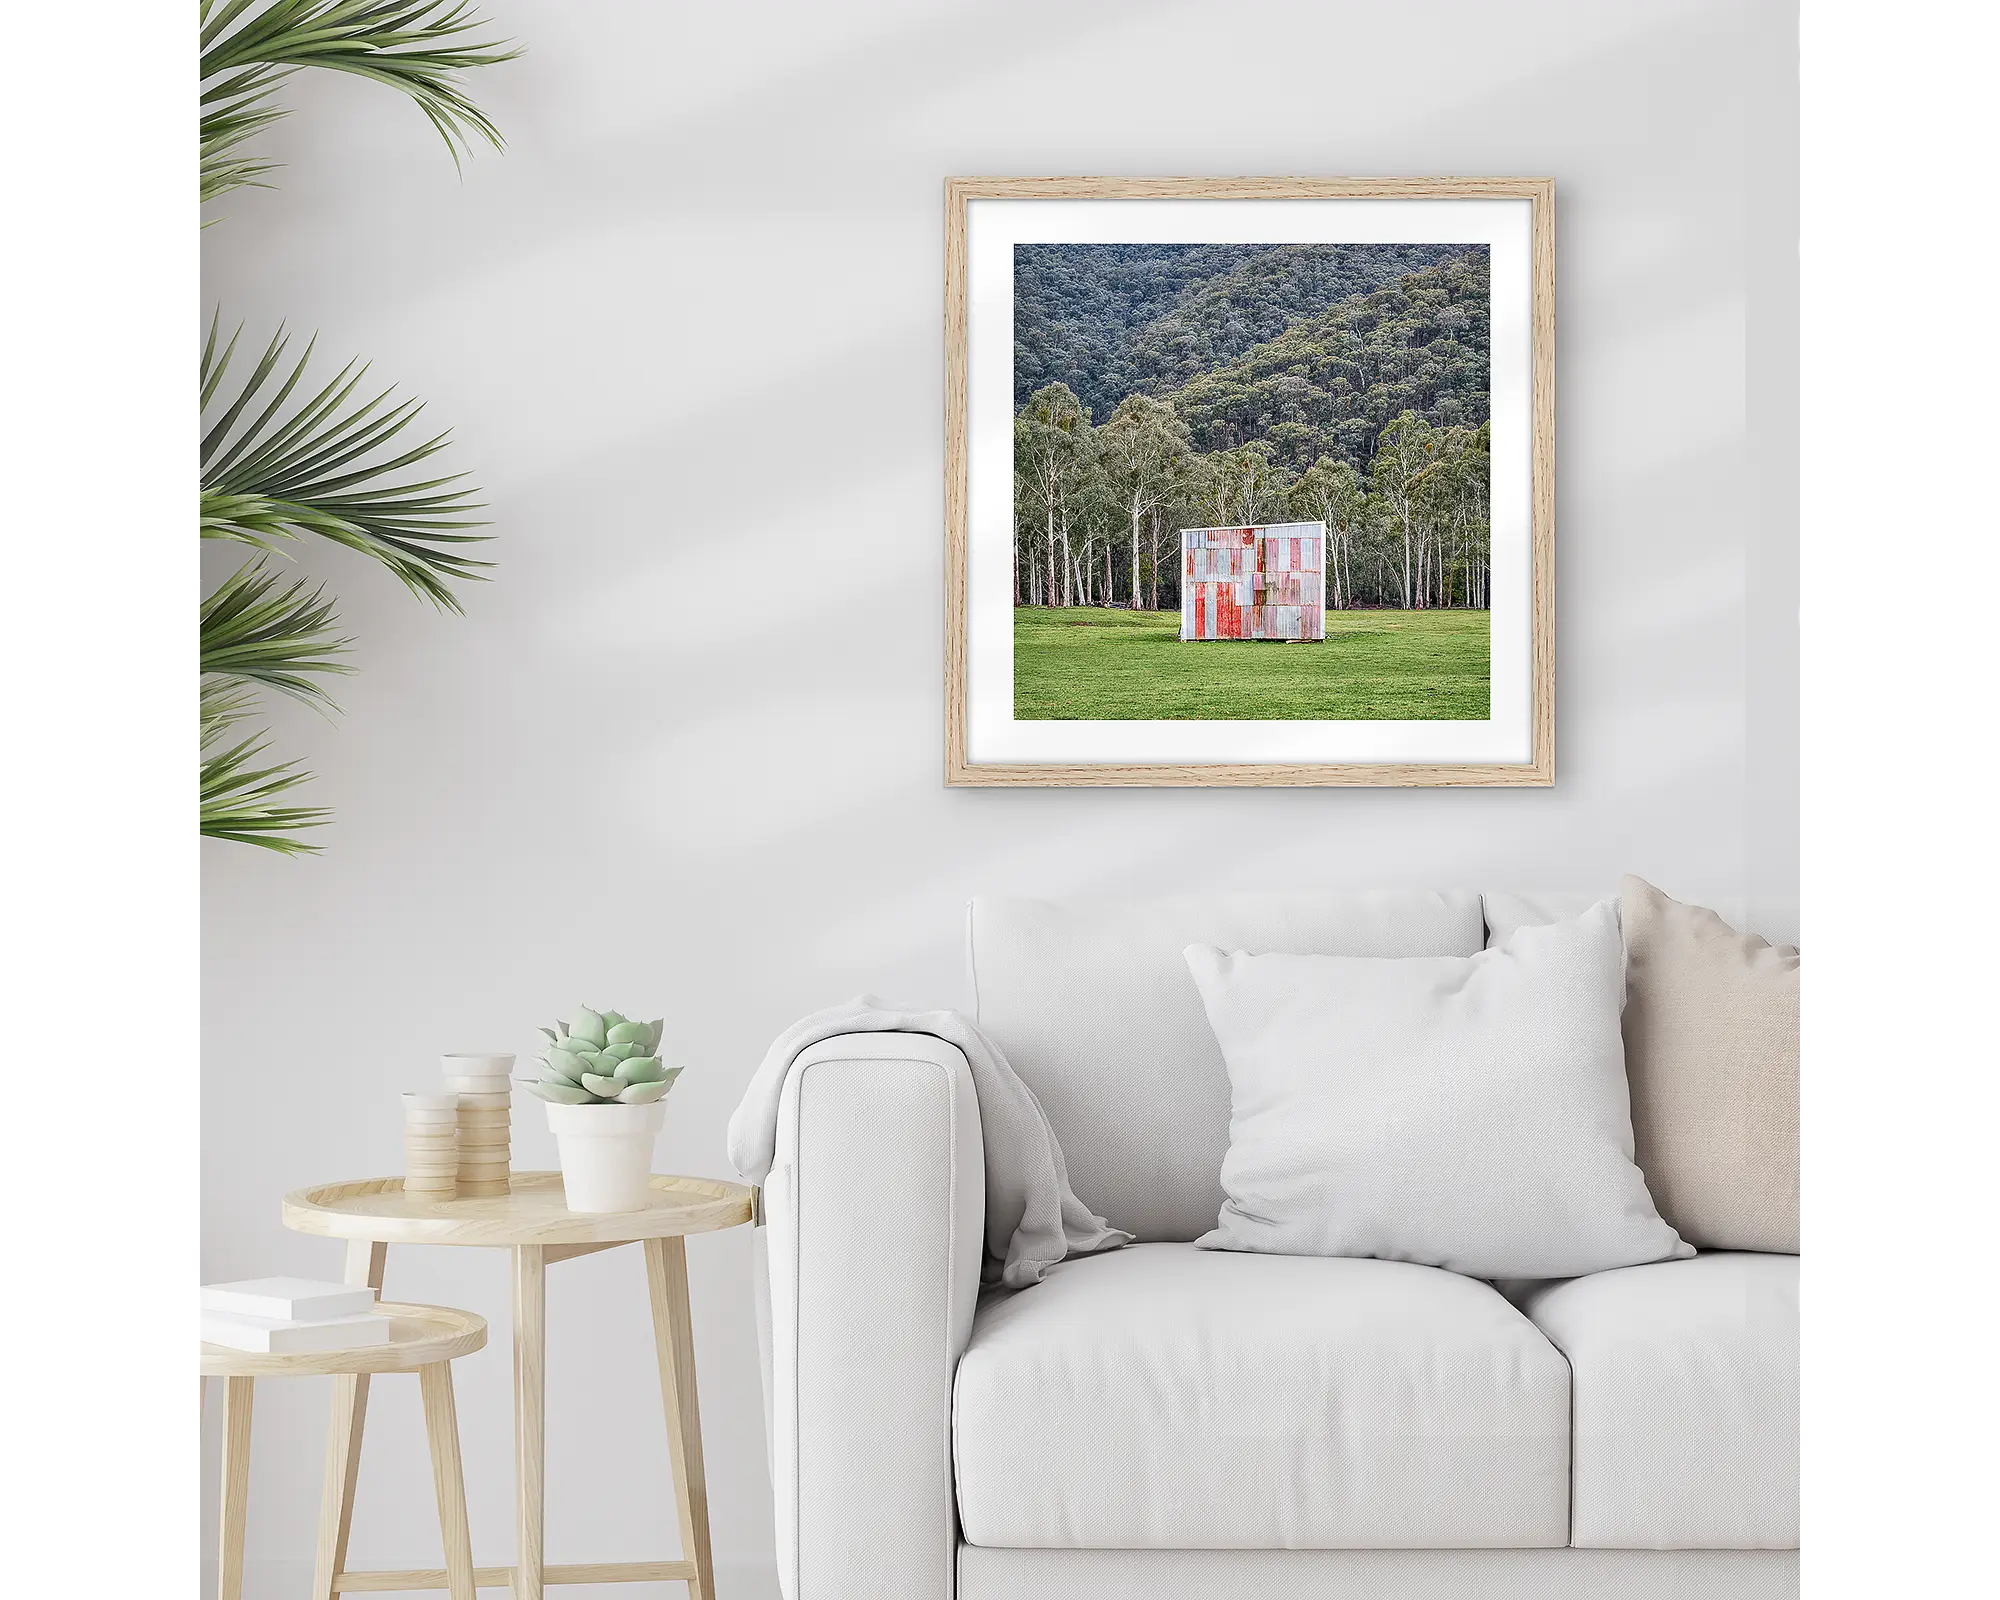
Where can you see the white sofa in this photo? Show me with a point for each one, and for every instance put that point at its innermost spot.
(1161, 1421)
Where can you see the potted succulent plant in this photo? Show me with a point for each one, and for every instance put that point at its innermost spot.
(603, 1082)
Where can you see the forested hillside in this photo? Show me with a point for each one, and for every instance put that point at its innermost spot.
(1329, 384)
(1077, 308)
(1246, 388)
(1215, 322)
(1110, 320)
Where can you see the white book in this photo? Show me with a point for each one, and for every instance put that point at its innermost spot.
(287, 1299)
(272, 1336)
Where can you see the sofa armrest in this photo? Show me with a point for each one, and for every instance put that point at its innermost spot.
(875, 1205)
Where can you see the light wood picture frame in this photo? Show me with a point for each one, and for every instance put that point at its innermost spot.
(1041, 691)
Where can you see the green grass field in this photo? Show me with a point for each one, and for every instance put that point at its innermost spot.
(1088, 664)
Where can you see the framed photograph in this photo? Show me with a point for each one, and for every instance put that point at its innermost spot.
(1249, 481)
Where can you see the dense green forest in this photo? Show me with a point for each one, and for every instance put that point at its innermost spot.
(1110, 320)
(1168, 386)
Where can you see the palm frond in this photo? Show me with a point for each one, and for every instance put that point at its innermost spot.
(238, 798)
(325, 468)
(283, 641)
(223, 705)
(417, 47)
(335, 466)
(231, 112)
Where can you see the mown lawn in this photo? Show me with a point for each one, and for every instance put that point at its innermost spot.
(1087, 664)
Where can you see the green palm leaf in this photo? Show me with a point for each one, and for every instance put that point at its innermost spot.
(232, 111)
(330, 466)
(281, 641)
(336, 465)
(238, 798)
(417, 47)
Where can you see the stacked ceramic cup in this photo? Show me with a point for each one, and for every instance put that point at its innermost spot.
(485, 1112)
(430, 1145)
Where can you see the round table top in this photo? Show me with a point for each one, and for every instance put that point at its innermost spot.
(532, 1212)
(418, 1336)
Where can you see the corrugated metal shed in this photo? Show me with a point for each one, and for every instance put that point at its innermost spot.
(1265, 582)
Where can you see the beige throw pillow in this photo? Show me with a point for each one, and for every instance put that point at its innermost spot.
(1712, 1054)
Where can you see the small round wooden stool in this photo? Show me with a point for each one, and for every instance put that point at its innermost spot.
(422, 1339)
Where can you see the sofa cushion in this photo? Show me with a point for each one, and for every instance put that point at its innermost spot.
(1686, 1379)
(1168, 1397)
(1712, 1046)
(1712, 1054)
(1466, 1112)
(1095, 1010)
(1507, 914)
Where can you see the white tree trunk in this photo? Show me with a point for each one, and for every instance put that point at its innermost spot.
(1135, 555)
(1051, 574)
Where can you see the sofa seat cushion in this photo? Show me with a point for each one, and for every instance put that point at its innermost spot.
(1686, 1379)
(1164, 1397)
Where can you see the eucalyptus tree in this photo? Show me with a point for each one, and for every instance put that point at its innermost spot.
(1097, 517)
(1463, 497)
(1052, 457)
(1332, 492)
(1407, 456)
(1243, 487)
(1143, 450)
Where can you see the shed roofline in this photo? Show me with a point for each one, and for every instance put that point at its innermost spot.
(1238, 527)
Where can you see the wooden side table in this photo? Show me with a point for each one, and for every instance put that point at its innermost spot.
(533, 1222)
(422, 1339)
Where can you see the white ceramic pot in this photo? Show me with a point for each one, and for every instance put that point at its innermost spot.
(606, 1153)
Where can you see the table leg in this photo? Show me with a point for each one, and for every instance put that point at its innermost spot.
(673, 1338)
(367, 1260)
(448, 1475)
(530, 1341)
(236, 1397)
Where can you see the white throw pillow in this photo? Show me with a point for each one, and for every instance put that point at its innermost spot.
(1466, 1112)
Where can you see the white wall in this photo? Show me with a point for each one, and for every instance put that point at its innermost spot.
(702, 290)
